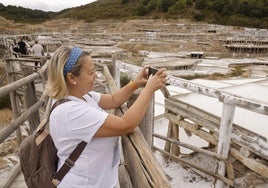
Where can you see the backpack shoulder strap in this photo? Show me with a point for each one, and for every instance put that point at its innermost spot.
(43, 123)
(57, 103)
(69, 163)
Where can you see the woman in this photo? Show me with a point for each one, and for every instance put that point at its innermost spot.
(72, 75)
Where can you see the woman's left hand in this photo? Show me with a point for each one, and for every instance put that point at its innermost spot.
(142, 77)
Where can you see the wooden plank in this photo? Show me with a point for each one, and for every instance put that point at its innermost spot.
(124, 178)
(240, 136)
(252, 164)
(175, 135)
(178, 105)
(147, 123)
(148, 164)
(191, 147)
(133, 165)
(190, 127)
(224, 142)
(197, 115)
(168, 144)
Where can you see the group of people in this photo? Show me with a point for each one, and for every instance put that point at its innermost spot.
(22, 48)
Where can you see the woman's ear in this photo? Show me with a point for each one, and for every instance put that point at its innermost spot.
(70, 78)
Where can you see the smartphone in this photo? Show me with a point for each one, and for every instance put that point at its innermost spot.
(152, 71)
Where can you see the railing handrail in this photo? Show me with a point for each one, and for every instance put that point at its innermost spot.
(17, 84)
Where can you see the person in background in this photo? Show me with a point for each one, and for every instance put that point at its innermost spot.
(15, 49)
(22, 47)
(71, 74)
(37, 50)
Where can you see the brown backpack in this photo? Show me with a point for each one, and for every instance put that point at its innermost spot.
(38, 157)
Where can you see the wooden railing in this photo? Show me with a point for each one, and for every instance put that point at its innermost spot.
(224, 126)
(24, 103)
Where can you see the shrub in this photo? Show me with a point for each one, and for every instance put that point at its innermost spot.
(124, 79)
(237, 72)
(5, 102)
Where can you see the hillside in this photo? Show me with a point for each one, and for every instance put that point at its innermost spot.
(246, 13)
(24, 15)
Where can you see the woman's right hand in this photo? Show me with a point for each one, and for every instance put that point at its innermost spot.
(157, 81)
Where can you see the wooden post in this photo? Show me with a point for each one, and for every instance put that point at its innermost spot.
(116, 70)
(30, 99)
(11, 78)
(224, 138)
(173, 133)
(147, 123)
(175, 150)
(169, 133)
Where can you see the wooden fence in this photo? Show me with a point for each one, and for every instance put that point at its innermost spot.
(220, 130)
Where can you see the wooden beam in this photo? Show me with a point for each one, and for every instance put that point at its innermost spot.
(22, 118)
(19, 83)
(191, 147)
(224, 142)
(252, 164)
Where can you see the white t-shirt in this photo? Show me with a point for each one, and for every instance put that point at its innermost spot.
(38, 50)
(78, 120)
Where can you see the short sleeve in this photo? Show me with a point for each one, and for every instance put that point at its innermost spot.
(84, 121)
(95, 96)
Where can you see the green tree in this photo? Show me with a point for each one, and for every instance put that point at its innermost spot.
(179, 5)
(201, 4)
(124, 1)
(166, 4)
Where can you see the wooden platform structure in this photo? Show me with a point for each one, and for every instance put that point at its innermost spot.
(231, 141)
(246, 45)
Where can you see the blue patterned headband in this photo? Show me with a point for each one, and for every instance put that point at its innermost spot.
(72, 59)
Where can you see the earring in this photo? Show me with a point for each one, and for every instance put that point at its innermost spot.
(74, 83)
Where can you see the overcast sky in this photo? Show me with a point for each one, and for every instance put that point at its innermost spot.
(46, 5)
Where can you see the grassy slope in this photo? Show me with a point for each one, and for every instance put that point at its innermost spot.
(114, 9)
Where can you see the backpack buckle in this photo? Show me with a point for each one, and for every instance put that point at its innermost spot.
(69, 162)
(55, 182)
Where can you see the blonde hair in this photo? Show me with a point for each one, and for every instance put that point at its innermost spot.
(56, 86)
